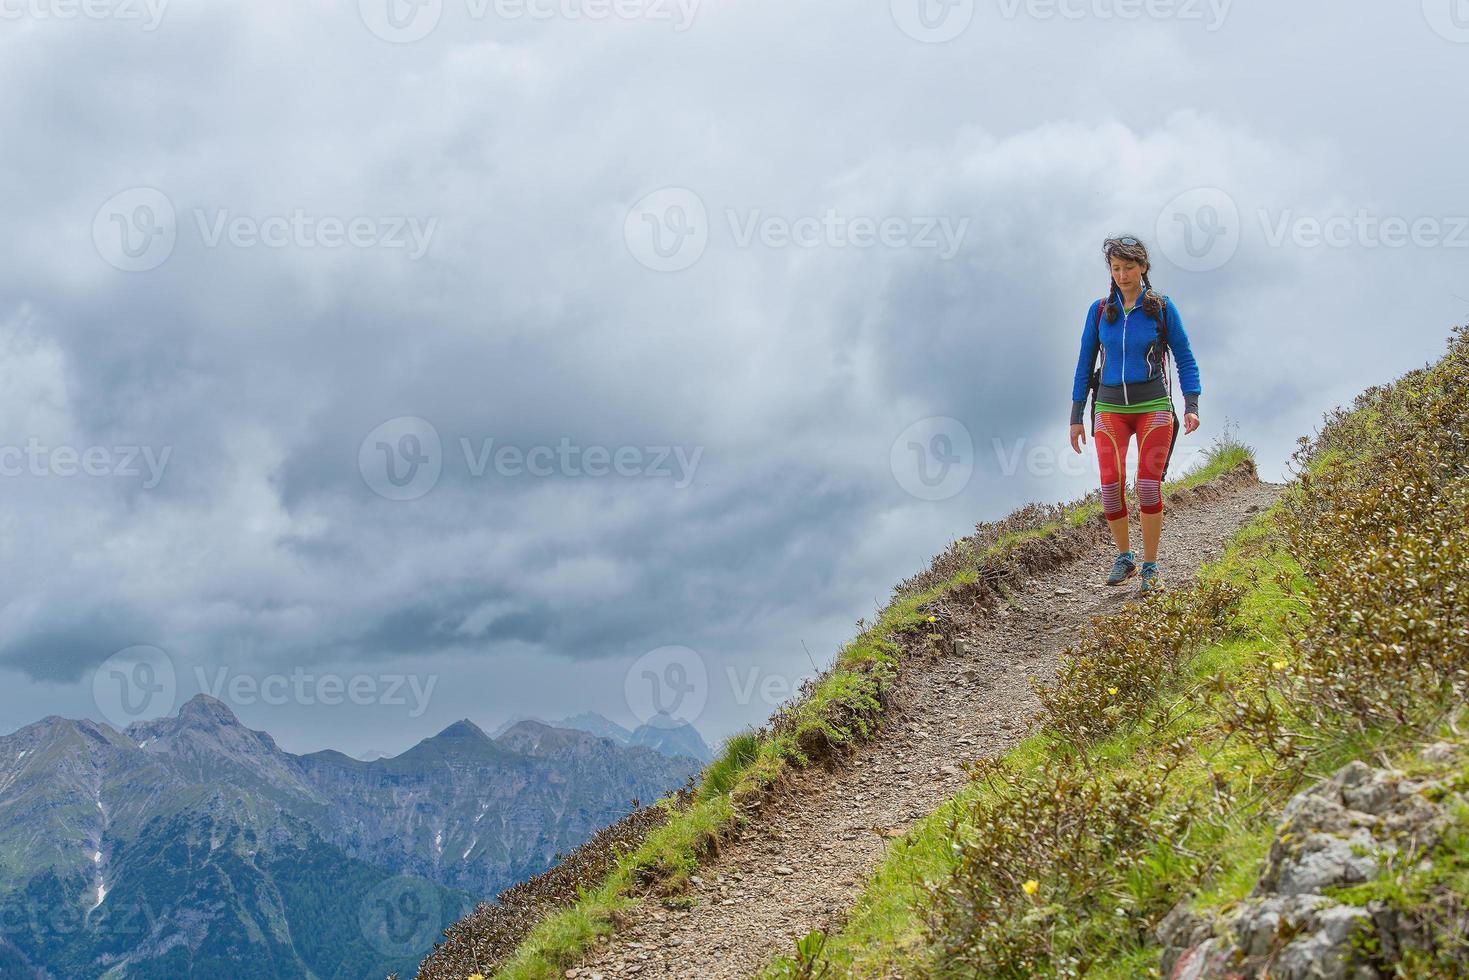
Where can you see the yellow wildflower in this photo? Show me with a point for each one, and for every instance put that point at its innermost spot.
(1031, 887)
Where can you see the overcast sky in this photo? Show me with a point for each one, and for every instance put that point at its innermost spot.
(488, 357)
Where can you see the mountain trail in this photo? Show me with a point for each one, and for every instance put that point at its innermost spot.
(801, 862)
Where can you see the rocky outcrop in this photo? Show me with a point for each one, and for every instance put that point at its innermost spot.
(1341, 832)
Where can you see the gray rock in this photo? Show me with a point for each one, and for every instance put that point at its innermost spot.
(1326, 953)
(1335, 833)
(1374, 795)
(1181, 930)
(1439, 752)
(1202, 962)
(1257, 927)
(1322, 861)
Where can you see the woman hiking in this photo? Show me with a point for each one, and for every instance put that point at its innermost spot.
(1134, 328)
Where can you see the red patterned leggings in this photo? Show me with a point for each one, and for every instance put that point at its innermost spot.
(1112, 433)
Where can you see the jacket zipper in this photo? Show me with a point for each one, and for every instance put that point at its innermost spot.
(1125, 315)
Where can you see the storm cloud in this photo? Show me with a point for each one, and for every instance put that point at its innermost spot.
(507, 343)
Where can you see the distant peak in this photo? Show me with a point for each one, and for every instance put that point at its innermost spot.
(590, 716)
(203, 707)
(596, 724)
(527, 726)
(666, 722)
(463, 728)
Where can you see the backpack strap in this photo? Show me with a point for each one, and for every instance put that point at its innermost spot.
(1096, 372)
(1163, 349)
(1096, 376)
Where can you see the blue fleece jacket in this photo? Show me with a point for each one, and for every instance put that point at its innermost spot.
(1130, 358)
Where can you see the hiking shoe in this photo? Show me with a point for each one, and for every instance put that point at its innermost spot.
(1123, 568)
(1151, 581)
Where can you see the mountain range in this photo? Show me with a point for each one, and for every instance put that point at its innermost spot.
(192, 843)
(663, 733)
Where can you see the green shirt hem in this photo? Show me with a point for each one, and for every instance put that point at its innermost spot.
(1153, 405)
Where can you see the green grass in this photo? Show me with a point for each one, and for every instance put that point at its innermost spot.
(843, 708)
(1236, 785)
(885, 931)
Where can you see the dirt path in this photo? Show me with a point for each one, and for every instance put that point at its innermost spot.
(801, 865)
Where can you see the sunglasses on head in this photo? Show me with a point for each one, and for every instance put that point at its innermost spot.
(1129, 240)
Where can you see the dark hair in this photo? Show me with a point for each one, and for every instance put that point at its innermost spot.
(1130, 249)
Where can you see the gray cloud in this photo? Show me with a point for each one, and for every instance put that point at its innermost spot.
(791, 370)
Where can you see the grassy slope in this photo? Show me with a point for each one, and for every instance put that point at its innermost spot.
(885, 930)
(1234, 782)
(843, 707)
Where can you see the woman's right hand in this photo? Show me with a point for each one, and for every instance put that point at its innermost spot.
(1078, 437)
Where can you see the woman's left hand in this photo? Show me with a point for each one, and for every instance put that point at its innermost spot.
(1190, 423)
